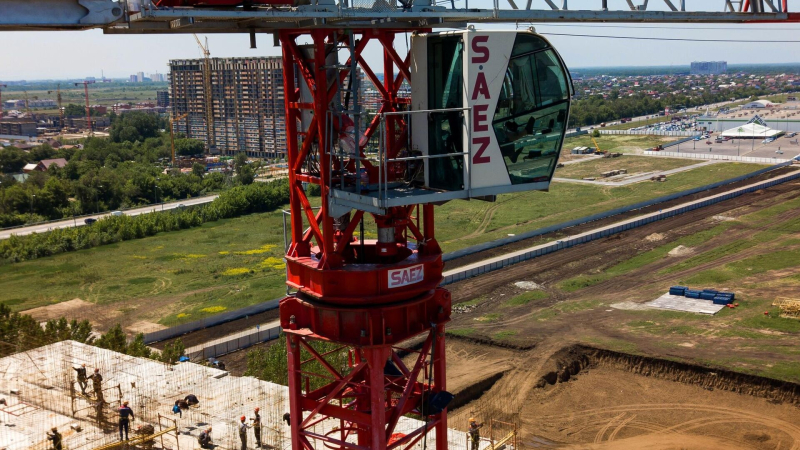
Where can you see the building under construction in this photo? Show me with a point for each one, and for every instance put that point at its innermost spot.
(246, 104)
(39, 391)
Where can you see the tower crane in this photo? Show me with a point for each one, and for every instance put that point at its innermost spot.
(477, 124)
(27, 102)
(1, 99)
(172, 134)
(60, 108)
(86, 84)
(208, 97)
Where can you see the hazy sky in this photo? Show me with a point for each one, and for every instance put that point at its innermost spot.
(75, 54)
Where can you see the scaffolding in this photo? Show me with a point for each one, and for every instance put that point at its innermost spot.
(790, 308)
(502, 435)
(38, 391)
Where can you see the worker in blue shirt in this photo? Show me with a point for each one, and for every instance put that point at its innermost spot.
(124, 412)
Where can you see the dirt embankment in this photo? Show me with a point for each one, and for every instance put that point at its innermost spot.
(573, 360)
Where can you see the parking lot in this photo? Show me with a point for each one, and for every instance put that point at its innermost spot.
(780, 148)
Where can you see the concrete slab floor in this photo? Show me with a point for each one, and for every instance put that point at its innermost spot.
(37, 386)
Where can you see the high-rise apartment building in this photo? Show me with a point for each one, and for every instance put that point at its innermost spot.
(247, 104)
(162, 98)
(709, 67)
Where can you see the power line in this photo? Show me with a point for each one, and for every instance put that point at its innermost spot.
(661, 27)
(744, 41)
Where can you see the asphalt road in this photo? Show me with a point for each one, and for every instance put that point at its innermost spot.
(5, 234)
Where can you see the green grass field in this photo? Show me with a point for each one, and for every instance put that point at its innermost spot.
(634, 124)
(461, 224)
(186, 275)
(99, 94)
(170, 278)
(633, 164)
(616, 143)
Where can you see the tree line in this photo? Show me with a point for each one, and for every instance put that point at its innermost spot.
(596, 109)
(237, 201)
(21, 332)
(105, 174)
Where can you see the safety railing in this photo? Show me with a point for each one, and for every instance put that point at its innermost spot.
(406, 116)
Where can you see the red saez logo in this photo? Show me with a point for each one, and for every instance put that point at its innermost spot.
(404, 277)
(480, 119)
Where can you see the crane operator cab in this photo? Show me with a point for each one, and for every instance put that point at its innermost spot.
(488, 114)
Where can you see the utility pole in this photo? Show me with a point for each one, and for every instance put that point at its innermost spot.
(88, 111)
(1, 99)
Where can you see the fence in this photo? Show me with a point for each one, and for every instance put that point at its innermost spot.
(678, 142)
(603, 215)
(234, 344)
(651, 132)
(188, 327)
(482, 267)
(457, 274)
(718, 157)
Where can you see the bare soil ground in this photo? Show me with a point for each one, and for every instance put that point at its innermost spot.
(677, 380)
(582, 398)
(577, 373)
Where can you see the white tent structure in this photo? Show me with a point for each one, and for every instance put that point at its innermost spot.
(751, 131)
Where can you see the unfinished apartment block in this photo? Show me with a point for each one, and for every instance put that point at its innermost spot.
(246, 104)
(39, 391)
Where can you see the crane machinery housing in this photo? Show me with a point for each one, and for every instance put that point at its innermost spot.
(487, 115)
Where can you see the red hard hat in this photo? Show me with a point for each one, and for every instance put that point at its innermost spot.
(243, 417)
(257, 409)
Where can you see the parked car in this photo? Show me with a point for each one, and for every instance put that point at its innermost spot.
(89, 221)
(117, 213)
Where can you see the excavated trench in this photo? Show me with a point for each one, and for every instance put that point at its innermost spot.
(573, 360)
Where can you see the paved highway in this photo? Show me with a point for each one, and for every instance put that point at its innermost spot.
(5, 234)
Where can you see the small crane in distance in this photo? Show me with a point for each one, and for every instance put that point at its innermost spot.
(1, 99)
(60, 109)
(172, 134)
(88, 111)
(207, 97)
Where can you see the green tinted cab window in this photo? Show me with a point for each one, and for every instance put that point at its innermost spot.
(527, 43)
(532, 111)
(445, 80)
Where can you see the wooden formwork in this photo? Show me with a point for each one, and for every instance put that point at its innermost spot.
(790, 308)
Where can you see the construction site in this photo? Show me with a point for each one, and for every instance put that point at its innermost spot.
(664, 322)
(231, 104)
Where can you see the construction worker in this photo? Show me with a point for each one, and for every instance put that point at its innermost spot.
(124, 412)
(83, 381)
(97, 385)
(191, 400)
(205, 438)
(243, 431)
(55, 436)
(176, 408)
(474, 433)
(257, 427)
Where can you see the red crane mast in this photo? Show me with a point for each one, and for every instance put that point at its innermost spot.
(86, 96)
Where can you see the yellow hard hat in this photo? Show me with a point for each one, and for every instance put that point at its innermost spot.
(472, 419)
